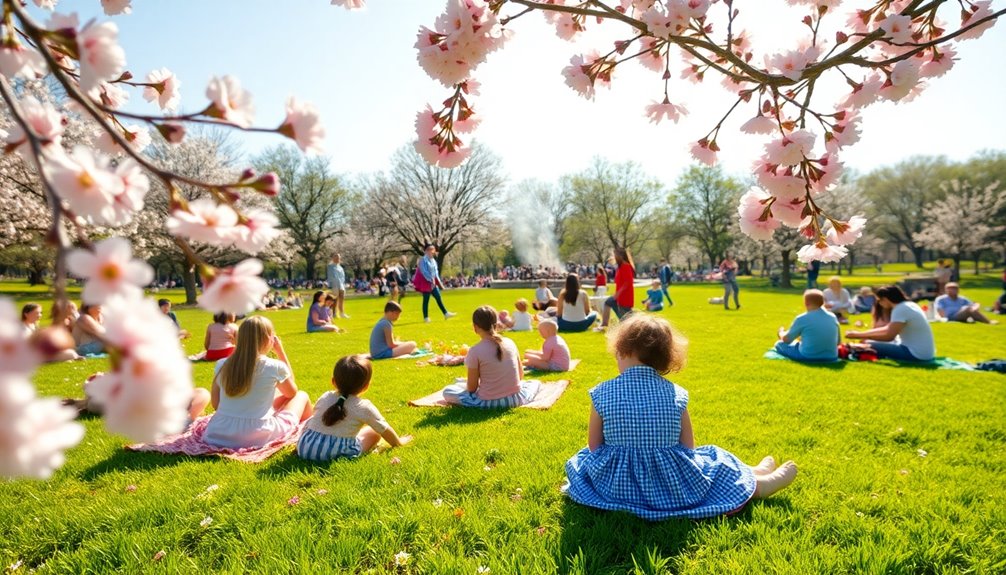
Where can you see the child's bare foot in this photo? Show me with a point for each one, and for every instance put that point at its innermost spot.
(775, 481)
(766, 466)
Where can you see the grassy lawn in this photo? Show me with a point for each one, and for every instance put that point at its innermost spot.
(901, 469)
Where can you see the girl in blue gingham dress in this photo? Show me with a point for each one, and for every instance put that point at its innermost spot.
(343, 424)
(641, 455)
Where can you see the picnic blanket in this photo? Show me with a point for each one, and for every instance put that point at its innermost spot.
(190, 442)
(531, 371)
(937, 363)
(549, 393)
(773, 354)
(443, 360)
(416, 354)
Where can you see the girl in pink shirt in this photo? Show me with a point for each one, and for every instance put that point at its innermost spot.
(554, 354)
(220, 337)
(494, 369)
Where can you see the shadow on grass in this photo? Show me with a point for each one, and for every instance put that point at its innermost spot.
(288, 462)
(438, 417)
(123, 460)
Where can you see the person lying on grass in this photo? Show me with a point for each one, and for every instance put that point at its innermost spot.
(494, 369)
(641, 455)
(554, 353)
(343, 424)
(382, 338)
(817, 330)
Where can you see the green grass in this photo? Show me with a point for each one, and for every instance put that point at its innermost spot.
(481, 488)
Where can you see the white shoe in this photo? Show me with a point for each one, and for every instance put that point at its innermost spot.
(449, 315)
(427, 320)
(600, 329)
(344, 316)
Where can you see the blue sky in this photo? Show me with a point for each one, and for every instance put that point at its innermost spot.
(360, 69)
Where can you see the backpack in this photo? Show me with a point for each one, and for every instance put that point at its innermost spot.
(996, 365)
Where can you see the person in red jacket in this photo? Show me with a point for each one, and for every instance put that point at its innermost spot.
(624, 297)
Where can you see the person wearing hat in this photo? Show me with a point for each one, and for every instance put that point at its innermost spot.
(864, 300)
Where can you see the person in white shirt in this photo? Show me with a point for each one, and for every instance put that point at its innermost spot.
(543, 298)
(837, 300)
(907, 337)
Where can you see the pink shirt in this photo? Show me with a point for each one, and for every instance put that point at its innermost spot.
(496, 378)
(221, 336)
(556, 352)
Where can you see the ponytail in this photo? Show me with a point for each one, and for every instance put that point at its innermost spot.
(351, 375)
(485, 318)
(499, 345)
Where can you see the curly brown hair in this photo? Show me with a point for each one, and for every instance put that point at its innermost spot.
(651, 340)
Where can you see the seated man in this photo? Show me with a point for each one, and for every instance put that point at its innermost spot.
(955, 307)
(817, 330)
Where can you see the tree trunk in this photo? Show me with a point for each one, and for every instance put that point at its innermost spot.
(784, 278)
(852, 261)
(917, 254)
(36, 277)
(764, 266)
(189, 279)
(311, 261)
(978, 257)
(957, 266)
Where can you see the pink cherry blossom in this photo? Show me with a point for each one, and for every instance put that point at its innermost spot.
(303, 125)
(657, 111)
(17, 356)
(566, 26)
(577, 78)
(902, 81)
(147, 396)
(172, 132)
(863, 94)
(789, 212)
(135, 185)
(756, 219)
(822, 252)
(782, 184)
(46, 4)
(238, 290)
(109, 270)
(138, 137)
(897, 28)
(59, 21)
(791, 63)
(844, 133)
(101, 57)
(461, 39)
(43, 119)
(940, 63)
(704, 152)
(113, 7)
(34, 432)
(790, 149)
(830, 170)
(87, 183)
(205, 221)
(853, 230)
(759, 125)
(428, 142)
(230, 102)
(979, 11)
(350, 4)
(652, 57)
(164, 90)
(17, 59)
(257, 231)
(110, 95)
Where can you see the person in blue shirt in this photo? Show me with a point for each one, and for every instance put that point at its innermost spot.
(655, 297)
(382, 338)
(955, 307)
(817, 330)
(427, 282)
(666, 275)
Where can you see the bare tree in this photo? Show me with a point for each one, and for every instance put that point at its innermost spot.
(312, 204)
(962, 223)
(421, 204)
(705, 203)
(618, 199)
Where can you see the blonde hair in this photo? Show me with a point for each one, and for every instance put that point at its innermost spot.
(254, 339)
(651, 340)
(521, 304)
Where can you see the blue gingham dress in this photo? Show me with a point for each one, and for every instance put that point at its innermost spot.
(642, 467)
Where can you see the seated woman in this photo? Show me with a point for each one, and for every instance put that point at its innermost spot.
(573, 310)
(255, 397)
(319, 317)
(494, 369)
(221, 336)
(88, 330)
(31, 313)
(293, 300)
(837, 300)
(864, 300)
(908, 336)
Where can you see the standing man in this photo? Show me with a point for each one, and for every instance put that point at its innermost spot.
(728, 267)
(665, 279)
(813, 271)
(337, 283)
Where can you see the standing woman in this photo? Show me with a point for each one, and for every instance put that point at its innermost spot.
(336, 276)
(907, 337)
(600, 281)
(624, 298)
(427, 281)
(255, 397)
(728, 268)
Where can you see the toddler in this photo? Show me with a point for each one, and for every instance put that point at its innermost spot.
(343, 424)
(554, 354)
(654, 297)
(641, 455)
(520, 320)
(543, 298)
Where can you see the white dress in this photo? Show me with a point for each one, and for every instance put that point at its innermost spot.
(249, 420)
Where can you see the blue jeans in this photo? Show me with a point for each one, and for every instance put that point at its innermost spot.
(895, 351)
(91, 348)
(426, 302)
(728, 286)
(792, 351)
(619, 310)
(667, 294)
(575, 326)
